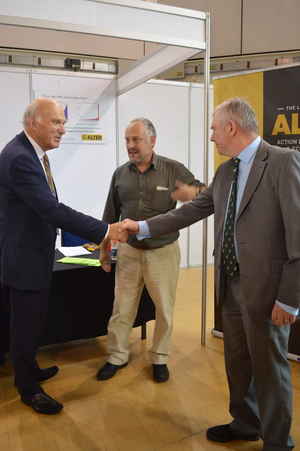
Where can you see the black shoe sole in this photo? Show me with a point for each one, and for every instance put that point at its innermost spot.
(231, 437)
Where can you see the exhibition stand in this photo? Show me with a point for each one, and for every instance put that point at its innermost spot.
(179, 34)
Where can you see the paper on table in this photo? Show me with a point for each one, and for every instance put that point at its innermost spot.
(72, 251)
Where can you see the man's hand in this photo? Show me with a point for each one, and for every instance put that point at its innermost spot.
(280, 317)
(184, 192)
(104, 256)
(116, 233)
(131, 226)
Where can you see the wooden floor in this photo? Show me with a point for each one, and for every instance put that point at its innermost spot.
(131, 412)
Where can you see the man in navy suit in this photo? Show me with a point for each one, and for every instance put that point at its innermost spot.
(29, 216)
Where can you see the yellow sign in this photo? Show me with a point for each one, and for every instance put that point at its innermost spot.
(91, 138)
(281, 125)
(248, 86)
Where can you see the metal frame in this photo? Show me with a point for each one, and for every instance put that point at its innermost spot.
(180, 33)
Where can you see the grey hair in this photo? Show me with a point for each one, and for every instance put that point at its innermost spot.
(149, 127)
(239, 111)
(31, 110)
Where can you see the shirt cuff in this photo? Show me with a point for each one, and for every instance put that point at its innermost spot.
(107, 231)
(291, 310)
(144, 231)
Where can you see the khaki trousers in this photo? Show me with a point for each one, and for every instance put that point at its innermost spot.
(158, 269)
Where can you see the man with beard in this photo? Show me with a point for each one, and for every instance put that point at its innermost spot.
(140, 189)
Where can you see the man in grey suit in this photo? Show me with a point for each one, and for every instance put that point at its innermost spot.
(259, 286)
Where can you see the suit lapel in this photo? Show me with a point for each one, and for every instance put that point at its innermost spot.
(256, 173)
(29, 147)
(22, 136)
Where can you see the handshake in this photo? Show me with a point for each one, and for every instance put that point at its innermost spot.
(120, 230)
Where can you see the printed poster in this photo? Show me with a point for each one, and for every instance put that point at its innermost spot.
(86, 116)
(282, 107)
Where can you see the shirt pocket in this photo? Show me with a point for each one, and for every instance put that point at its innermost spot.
(161, 200)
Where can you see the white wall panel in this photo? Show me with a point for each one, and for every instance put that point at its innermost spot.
(197, 152)
(15, 96)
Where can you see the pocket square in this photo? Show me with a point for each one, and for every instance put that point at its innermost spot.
(162, 188)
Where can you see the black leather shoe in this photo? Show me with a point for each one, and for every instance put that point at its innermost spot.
(42, 403)
(47, 373)
(160, 373)
(224, 434)
(109, 370)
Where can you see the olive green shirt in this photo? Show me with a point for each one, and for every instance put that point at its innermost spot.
(141, 195)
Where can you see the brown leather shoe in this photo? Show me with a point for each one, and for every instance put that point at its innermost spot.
(42, 403)
(109, 370)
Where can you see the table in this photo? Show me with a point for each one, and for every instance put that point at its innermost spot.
(80, 305)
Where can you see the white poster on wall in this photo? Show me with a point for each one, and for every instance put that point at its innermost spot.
(85, 114)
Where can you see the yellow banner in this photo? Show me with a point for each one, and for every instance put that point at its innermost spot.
(249, 86)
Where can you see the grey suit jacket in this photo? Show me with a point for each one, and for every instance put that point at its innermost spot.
(267, 228)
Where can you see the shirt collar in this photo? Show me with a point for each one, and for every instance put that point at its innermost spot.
(39, 151)
(154, 160)
(153, 163)
(247, 154)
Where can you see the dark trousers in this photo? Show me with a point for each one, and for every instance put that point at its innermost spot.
(258, 372)
(27, 310)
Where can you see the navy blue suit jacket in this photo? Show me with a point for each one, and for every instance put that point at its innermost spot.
(29, 216)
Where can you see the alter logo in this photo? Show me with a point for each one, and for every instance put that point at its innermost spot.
(91, 137)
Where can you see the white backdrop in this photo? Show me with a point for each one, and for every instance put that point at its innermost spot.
(15, 96)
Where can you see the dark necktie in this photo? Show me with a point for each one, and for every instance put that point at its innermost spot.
(229, 256)
(48, 174)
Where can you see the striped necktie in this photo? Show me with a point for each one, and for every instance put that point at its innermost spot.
(229, 255)
(48, 174)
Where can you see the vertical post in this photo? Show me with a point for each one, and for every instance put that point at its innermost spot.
(189, 167)
(205, 167)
